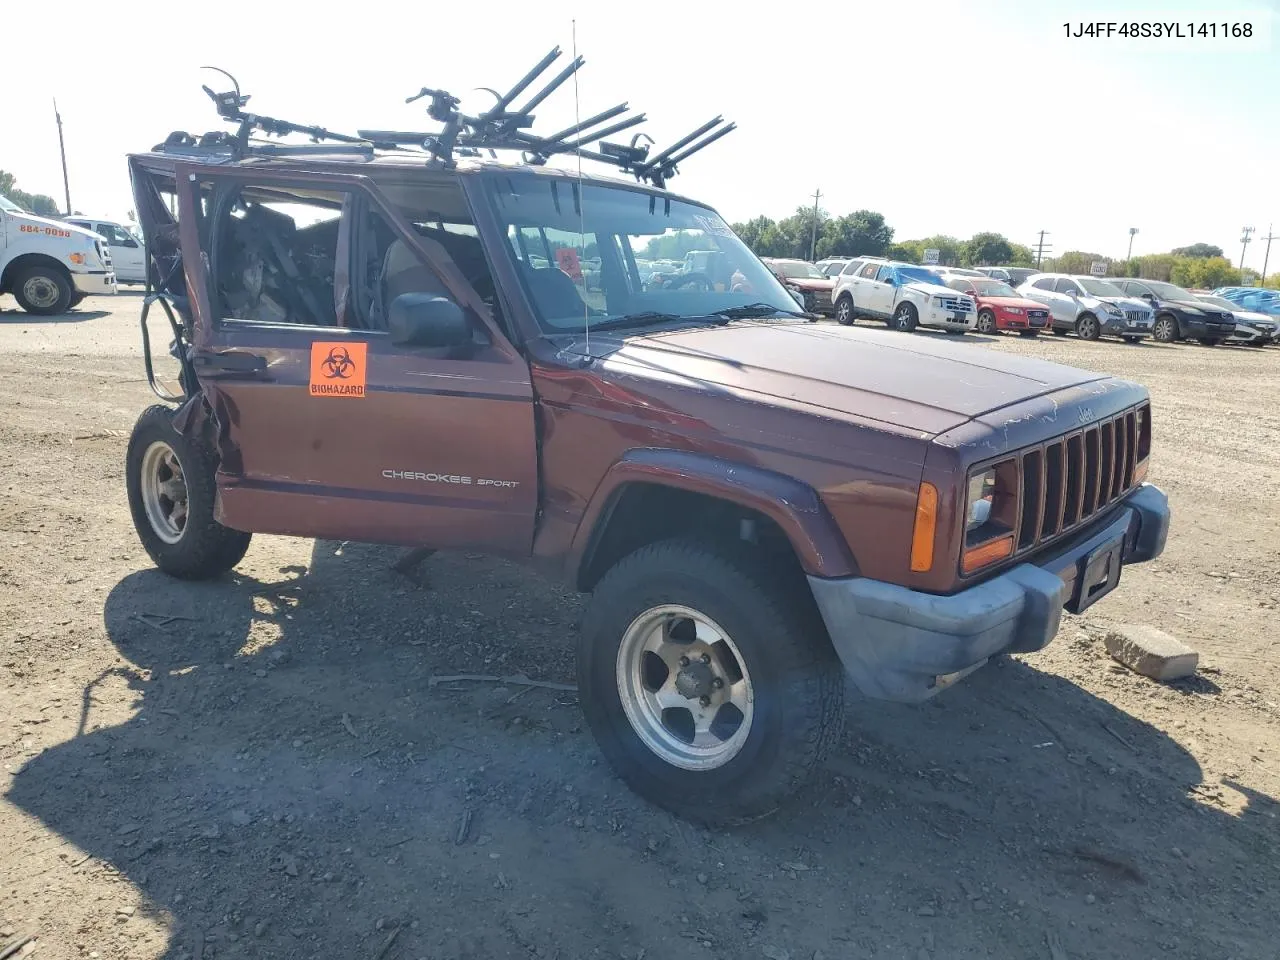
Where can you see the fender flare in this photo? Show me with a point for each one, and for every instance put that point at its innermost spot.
(793, 505)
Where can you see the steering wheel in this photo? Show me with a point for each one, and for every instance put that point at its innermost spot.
(701, 281)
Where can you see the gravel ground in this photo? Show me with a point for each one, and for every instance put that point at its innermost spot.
(263, 766)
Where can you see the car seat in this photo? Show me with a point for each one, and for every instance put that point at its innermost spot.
(555, 295)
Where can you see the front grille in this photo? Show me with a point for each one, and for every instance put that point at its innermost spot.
(957, 304)
(1068, 481)
(1037, 314)
(1135, 316)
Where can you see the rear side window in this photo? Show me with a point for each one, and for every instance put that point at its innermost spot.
(869, 271)
(851, 267)
(1044, 283)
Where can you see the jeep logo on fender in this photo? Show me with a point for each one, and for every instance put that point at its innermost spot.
(338, 369)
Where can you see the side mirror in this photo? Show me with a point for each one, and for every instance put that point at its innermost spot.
(1073, 293)
(1149, 297)
(427, 320)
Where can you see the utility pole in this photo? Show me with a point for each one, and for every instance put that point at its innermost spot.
(1266, 257)
(1132, 231)
(1244, 244)
(66, 184)
(813, 241)
(1041, 247)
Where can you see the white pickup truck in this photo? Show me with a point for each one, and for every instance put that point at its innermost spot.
(50, 266)
(901, 294)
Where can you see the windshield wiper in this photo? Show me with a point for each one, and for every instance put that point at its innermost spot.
(645, 318)
(751, 310)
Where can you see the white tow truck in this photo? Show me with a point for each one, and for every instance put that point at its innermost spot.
(50, 266)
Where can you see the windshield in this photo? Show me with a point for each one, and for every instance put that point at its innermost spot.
(994, 288)
(9, 205)
(919, 275)
(1167, 291)
(554, 226)
(1099, 288)
(797, 269)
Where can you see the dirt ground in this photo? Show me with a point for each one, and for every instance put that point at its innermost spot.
(264, 767)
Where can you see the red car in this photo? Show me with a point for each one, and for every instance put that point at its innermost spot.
(1000, 307)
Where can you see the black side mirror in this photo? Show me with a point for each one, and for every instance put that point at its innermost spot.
(427, 320)
(129, 242)
(1149, 297)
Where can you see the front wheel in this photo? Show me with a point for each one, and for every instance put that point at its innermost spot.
(1087, 327)
(45, 290)
(986, 321)
(905, 317)
(708, 681)
(844, 310)
(171, 487)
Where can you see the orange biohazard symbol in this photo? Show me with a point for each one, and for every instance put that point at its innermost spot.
(338, 369)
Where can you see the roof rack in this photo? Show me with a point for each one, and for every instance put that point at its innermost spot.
(501, 127)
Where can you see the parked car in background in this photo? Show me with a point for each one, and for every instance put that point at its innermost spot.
(955, 271)
(1090, 307)
(127, 254)
(805, 278)
(1252, 329)
(996, 273)
(903, 295)
(1257, 299)
(50, 266)
(1179, 313)
(1000, 307)
(831, 266)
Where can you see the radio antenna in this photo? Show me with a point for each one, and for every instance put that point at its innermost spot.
(582, 237)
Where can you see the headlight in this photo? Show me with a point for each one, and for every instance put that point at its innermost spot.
(1114, 311)
(1016, 311)
(982, 492)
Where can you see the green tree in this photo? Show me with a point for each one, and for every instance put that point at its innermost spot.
(37, 203)
(863, 232)
(1272, 282)
(1075, 261)
(912, 251)
(987, 249)
(1203, 272)
(797, 230)
(1021, 256)
(1201, 250)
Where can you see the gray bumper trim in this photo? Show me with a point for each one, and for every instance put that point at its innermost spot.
(895, 643)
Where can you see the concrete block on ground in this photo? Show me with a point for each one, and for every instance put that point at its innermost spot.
(1151, 652)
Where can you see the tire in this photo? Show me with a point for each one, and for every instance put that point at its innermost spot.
(905, 317)
(986, 321)
(787, 661)
(43, 290)
(76, 299)
(195, 547)
(1131, 339)
(1087, 327)
(1166, 330)
(844, 310)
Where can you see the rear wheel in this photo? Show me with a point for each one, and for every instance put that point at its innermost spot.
(43, 289)
(844, 310)
(986, 321)
(1166, 330)
(905, 317)
(171, 486)
(708, 681)
(1087, 327)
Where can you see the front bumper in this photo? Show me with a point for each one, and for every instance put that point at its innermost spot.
(97, 283)
(899, 644)
(945, 320)
(1198, 329)
(1124, 327)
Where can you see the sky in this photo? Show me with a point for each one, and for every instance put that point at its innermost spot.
(947, 117)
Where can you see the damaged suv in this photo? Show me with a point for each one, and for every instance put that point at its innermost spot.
(760, 506)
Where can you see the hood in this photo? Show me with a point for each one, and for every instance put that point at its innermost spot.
(935, 289)
(810, 283)
(71, 228)
(1021, 303)
(1124, 303)
(917, 384)
(1255, 319)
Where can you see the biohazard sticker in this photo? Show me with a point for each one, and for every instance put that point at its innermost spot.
(338, 369)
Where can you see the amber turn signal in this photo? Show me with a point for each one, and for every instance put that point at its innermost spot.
(926, 524)
(977, 557)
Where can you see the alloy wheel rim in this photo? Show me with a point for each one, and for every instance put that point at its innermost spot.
(1163, 329)
(684, 687)
(985, 323)
(164, 492)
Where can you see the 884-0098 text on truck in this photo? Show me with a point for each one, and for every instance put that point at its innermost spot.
(757, 504)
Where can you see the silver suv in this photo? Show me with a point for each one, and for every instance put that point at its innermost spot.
(1090, 306)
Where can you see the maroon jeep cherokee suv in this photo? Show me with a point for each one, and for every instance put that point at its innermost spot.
(382, 349)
